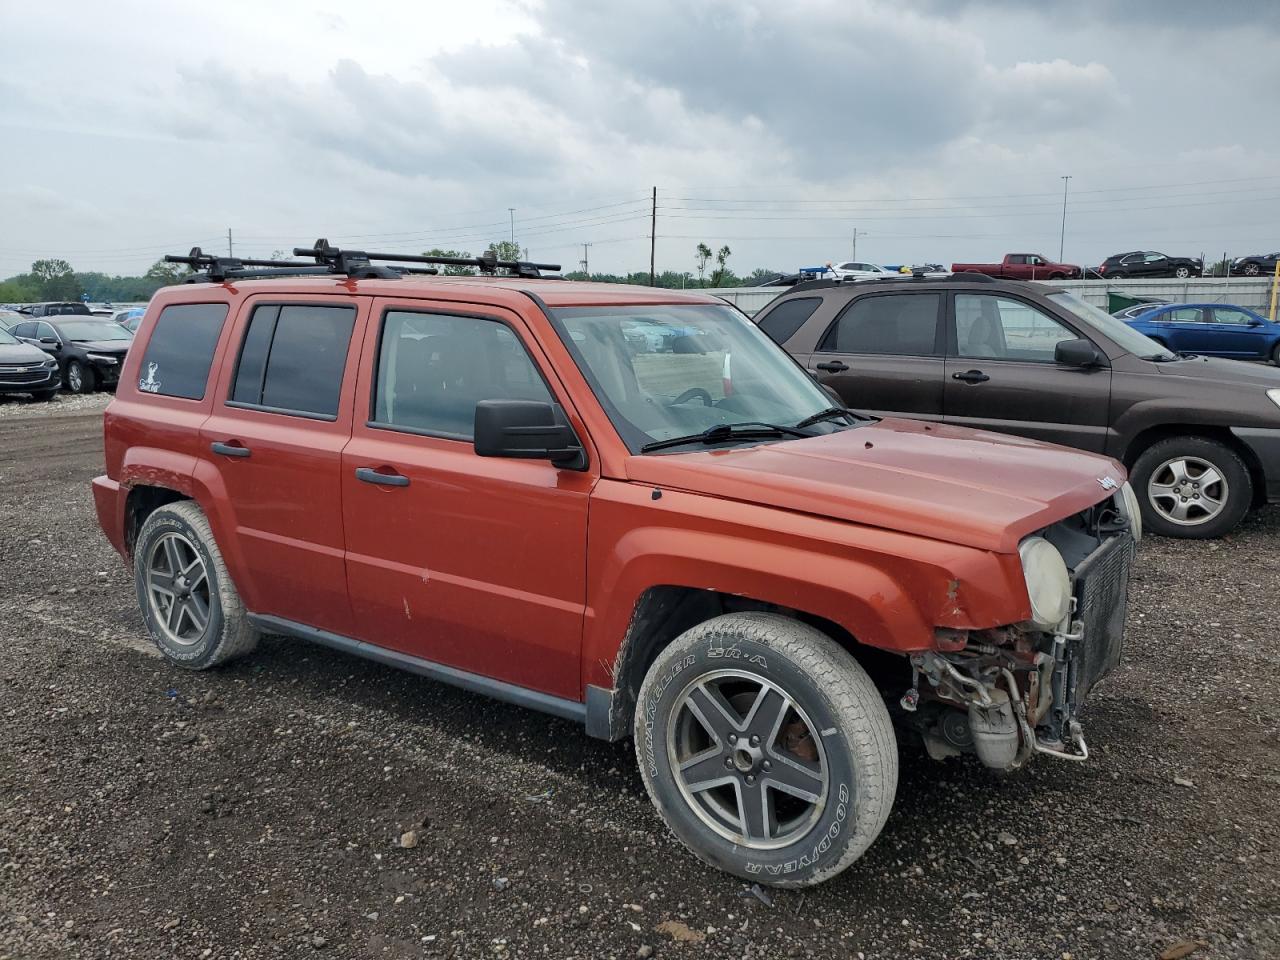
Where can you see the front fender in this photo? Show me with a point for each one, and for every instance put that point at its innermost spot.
(889, 590)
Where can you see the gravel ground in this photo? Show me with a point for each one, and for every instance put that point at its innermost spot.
(259, 810)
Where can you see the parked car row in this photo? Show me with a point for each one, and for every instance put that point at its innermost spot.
(86, 351)
(1199, 435)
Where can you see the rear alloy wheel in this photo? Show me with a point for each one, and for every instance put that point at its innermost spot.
(1192, 487)
(1252, 270)
(1182, 273)
(188, 601)
(80, 379)
(766, 748)
(1115, 275)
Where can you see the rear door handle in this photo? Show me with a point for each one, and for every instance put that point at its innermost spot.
(971, 376)
(370, 475)
(833, 366)
(229, 449)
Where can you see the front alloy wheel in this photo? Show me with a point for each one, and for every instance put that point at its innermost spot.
(766, 748)
(747, 759)
(1194, 487)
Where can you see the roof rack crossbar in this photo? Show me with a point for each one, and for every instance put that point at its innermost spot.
(488, 262)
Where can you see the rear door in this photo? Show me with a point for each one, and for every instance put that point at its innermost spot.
(474, 562)
(1001, 375)
(273, 442)
(1186, 330)
(883, 353)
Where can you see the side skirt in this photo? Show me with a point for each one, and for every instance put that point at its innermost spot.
(498, 689)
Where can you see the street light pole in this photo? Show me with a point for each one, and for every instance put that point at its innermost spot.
(1062, 238)
(512, 211)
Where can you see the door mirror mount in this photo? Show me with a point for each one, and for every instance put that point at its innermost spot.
(1078, 353)
(526, 430)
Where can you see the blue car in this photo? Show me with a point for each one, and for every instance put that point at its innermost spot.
(1211, 330)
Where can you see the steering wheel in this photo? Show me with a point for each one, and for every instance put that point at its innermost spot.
(691, 393)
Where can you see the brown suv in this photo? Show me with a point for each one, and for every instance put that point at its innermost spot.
(1200, 436)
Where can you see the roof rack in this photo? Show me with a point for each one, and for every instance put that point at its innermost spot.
(488, 261)
(327, 260)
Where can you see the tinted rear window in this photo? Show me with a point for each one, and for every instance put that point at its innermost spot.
(293, 358)
(787, 317)
(903, 324)
(180, 351)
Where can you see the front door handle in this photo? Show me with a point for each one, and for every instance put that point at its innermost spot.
(370, 475)
(229, 449)
(971, 376)
(833, 366)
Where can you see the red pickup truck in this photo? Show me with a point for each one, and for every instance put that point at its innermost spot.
(1023, 266)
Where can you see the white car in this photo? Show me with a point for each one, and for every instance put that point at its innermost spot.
(858, 270)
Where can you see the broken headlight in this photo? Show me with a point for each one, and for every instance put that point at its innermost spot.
(1048, 582)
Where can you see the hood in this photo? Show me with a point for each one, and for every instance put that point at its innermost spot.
(1218, 370)
(970, 487)
(104, 346)
(21, 354)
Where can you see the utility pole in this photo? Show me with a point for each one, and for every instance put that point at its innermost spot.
(512, 211)
(230, 251)
(1062, 238)
(855, 244)
(586, 266)
(653, 237)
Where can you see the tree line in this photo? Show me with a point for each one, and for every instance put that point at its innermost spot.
(56, 279)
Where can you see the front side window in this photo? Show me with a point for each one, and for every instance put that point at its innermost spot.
(44, 330)
(898, 324)
(180, 350)
(782, 322)
(293, 357)
(672, 370)
(1232, 316)
(1154, 257)
(434, 368)
(998, 328)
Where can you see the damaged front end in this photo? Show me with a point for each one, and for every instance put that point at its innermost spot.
(1009, 692)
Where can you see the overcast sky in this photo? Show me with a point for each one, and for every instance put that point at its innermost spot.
(939, 130)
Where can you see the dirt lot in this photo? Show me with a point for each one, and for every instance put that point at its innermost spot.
(256, 811)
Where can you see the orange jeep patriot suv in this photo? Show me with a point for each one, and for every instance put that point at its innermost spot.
(620, 505)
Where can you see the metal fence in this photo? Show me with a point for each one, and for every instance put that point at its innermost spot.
(1254, 293)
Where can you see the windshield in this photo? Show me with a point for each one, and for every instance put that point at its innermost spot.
(93, 330)
(1124, 336)
(6, 337)
(679, 369)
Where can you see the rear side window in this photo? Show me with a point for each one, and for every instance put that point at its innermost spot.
(293, 357)
(434, 368)
(787, 317)
(900, 324)
(180, 351)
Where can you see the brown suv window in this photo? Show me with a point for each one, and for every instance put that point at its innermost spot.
(904, 324)
(292, 359)
(1000, 328)
(434, 368)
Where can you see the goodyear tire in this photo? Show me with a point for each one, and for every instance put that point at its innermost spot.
(766, 749)
(190, 605)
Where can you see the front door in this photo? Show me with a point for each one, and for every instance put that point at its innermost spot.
(883, 355)
(476, 563)
(1001, 374)
(1238, 334)
(273, 443)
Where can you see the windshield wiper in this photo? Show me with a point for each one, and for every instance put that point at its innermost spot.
(828, 414)
(746, 430)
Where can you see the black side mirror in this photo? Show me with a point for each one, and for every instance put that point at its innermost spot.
(50, 341)
(1078, 353)
(527, 430)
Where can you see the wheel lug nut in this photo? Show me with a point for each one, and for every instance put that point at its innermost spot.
(733, 738)
(767, 765)
(751, 779)
(728, 761)
(755, 741)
